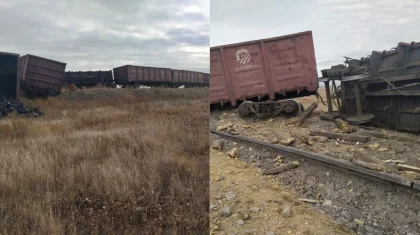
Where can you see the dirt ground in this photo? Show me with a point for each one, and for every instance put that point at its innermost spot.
(364, 206)
(256, 203)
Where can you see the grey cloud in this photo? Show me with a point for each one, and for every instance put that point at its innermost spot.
(102, 34)
(340, 28)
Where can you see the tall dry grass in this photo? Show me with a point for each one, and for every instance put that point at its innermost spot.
(137, 164)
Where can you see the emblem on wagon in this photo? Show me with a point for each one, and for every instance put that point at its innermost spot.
(243, 56)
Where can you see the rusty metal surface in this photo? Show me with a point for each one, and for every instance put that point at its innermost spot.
(88, 78)
(9, 75)
(263, 68)
(41, 75)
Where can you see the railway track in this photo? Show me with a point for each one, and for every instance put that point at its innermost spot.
(332, 162)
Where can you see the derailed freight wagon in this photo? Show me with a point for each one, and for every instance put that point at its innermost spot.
(9, 75)
(40, 75)
(128, 75)
(383, 88)
(187, 78)
(267, 69)
(88, 78)
(206, 79)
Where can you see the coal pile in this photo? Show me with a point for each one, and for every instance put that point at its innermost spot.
(9, 106)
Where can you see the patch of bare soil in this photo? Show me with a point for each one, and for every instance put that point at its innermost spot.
(244, 202)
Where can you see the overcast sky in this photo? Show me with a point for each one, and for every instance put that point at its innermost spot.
(103, 34)
(340, 27)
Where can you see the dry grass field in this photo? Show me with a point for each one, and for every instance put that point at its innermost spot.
(107, 161)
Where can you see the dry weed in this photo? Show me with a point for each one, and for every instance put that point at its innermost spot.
(136, 165)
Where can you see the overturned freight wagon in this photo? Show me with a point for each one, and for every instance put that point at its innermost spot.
(272, 68)
(128, 75)
(383, 88)
(88, 78)
(9, 75)
(41, 76)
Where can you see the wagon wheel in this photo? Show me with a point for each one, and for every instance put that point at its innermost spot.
(246, 109)
(291, 109)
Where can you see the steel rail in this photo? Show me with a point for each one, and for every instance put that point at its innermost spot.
(340, 164)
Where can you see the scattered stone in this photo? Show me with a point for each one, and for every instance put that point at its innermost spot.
(279, 159)
(342, 220)
(8, 106)
(375, 224)
(274, 141)
(359, 221)
(226, 211)
(217, 144)
(213, 207)
(223, 127)
(288, 141)
(255, 209)
(230, 196)
(287, 211)
(234, 153)
(240, 222)
(369, 229)
(270, 120)
(270, 233)
(328, 174)
(246, 217)
(327, 203)
(249, 201)
(349, 183)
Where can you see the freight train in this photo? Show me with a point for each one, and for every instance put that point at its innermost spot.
(42, 76)
(383, 88)
(261, 74)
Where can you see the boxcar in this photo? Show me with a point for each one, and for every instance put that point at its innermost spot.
(9, 75)
(280, 67)
(88, 78)
(141, 75)
(41, 76)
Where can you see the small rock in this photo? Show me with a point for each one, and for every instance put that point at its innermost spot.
(322, 139)
(270, 233)
(288, 141)
(270, 120)
(287, 211)
(359, 221)
(217, 144)
(327, 203)
(369, 229)
(274, 141)
(254, 209)
(249, 201)
(327, 174)
(336, 143)
(342, 220)
(353, 226)
(375, 224)
(234, 153)
(230, 196)
(349, 183)
(240, 222)
(213, 207)
(226, 211)
(246, 217)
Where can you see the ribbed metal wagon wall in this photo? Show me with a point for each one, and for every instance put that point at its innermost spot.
(390, 89)
(41, 76)
(88, 78)
(9, 75)
(275, 68)
(141, 75)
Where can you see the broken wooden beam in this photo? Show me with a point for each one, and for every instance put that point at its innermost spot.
(308, 112)
(309, 200)
(349, 137)
(282, 168)
(344, 126)
(408, 168)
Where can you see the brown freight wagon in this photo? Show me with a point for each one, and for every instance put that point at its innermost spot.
(141, 75)
(41, 76)
(206, 79)
(273, 68)
(9, 75)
